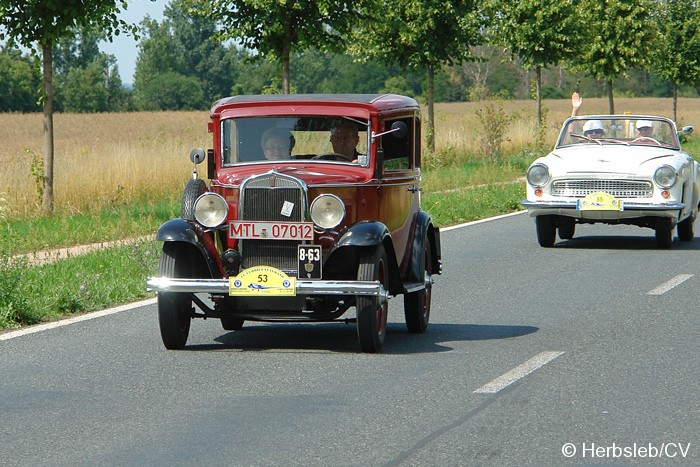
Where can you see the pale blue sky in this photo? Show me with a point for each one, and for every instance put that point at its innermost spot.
(124, 47)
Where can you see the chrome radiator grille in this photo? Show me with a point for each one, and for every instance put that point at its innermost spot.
(262, 199)
(617, 188)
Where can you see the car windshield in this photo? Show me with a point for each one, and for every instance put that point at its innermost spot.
(629, 131)
(293, 138)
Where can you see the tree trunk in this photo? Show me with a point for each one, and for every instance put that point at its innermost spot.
(538, 91)
(47, 200)
(430, 136)
(285, 69)
(611, 104)
(675, 102)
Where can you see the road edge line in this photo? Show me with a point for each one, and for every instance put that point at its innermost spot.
(75, 319)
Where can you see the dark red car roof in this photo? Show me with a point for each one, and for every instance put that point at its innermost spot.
(378, 102)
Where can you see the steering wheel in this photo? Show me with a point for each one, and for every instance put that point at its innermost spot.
(331, 156)
(646, 138)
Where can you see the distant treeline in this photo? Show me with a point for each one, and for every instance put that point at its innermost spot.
(180, 67)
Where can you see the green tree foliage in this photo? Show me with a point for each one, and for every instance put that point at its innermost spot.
(40, 24)
(87, 80)
(276, 29)
(179, 55)
(619, 35)
(677, 57)
(95, 88)
(172, 91)
(19, 82)
(541, 33)
(420, 35)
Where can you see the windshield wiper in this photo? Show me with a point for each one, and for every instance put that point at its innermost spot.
(586, 138)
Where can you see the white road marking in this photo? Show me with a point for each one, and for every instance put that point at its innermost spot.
(77, 319)
(666, 286)
(480, 221)
(518, 372)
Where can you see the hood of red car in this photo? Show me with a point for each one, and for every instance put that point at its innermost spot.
(310, 173)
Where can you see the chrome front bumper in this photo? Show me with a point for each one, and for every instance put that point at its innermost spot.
(627, 206)
(221, 286)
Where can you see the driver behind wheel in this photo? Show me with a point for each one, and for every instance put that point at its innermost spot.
(644, 128)
(344, 139)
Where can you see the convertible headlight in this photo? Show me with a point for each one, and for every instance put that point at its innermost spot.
(210, 210)
(538, 175)
(665, 176)
(327, 211)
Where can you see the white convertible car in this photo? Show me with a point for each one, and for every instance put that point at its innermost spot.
(615, 169)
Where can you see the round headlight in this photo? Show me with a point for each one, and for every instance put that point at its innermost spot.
(327, 211)
(210, 210)
(665, 176)
(538, 175)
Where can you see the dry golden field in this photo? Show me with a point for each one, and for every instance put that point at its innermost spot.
(111, 158)
(99, 158)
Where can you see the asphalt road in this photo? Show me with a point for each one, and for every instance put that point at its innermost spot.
(585, 353)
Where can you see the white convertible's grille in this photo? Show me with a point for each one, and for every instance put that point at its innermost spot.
(617, 188)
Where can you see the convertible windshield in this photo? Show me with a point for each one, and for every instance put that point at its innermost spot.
(631, 131)
(319, 138)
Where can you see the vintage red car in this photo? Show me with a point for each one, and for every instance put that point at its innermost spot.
(313, 208)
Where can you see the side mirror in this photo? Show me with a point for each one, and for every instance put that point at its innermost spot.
(197, 155)
(688, 129)
(398, 129)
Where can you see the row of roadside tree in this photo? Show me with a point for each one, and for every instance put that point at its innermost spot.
(433, 49)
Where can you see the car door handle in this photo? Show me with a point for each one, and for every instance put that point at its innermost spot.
(414, 189)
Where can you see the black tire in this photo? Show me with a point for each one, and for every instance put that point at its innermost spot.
(416, 305)
(230, 323)
(174, 309)
(193, 190)
(566, 227)
(546, 230)
(664, 233)
(686, 229)
(371, 312)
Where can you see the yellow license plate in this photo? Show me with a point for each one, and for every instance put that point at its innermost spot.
(262, 281)
(599, 201)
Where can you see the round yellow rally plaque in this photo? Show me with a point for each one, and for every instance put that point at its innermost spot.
(262, 281)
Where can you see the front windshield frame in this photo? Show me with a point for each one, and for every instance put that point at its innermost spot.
(619, 130)
(241, 138)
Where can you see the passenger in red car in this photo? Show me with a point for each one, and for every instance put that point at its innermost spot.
(277, 144)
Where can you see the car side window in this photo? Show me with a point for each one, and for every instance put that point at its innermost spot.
(398, 149)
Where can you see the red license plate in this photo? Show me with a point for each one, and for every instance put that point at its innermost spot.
(271, 230)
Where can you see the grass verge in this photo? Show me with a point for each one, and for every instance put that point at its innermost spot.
(30, 294)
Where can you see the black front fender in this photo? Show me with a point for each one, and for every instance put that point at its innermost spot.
(365, 233)
(342, 261)
(181, 231)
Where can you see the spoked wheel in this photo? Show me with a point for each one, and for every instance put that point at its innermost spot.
(546, 230)
(371, 311)
(174, 308)
(416, 305)
(664, 233)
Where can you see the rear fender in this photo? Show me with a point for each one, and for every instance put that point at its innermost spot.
(424, 232)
